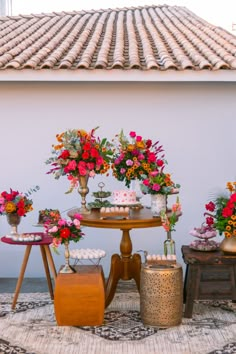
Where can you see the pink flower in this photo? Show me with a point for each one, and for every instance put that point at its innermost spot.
(91, 173)
(90, 165)
(78, 216)
(56, 242)
(82, 170)
(53, 229)
(154, 173)
(129, 163)
(138, 138)
(122, 170)
(151, 157)
(146, 182)
(62, 222)
(156, 187)
(71, 165)
(132, 134)
(76, 223)
(141, 157)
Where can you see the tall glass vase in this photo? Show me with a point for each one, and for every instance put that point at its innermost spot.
(67, 268)
(13, 220)
(83, 191)
(135, 186)
(169, 245)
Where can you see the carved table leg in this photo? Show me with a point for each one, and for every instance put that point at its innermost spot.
(114, 276)
(123, 267)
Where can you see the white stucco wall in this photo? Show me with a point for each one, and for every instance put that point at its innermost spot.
(195, 122)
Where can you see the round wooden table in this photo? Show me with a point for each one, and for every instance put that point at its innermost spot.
(125, 266)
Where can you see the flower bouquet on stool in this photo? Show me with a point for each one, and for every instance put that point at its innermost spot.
(14, 205)
(80, 155)
(64, 231)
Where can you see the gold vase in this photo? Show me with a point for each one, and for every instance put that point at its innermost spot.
(228, 245)
(83, 191)
(13, 220)
(67, 268)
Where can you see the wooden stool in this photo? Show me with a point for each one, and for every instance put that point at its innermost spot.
(208, 276)
(79, 298)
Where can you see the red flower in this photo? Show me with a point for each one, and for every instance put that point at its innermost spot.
(151, 157)
(148, 143)
(209, 221)
(85, 155)
(21, 211)
(210, 206)
(64, 155)
(87, 146)
(233, 198)
(65, 233)
(160, 163)
(227, 212)
(94, 153)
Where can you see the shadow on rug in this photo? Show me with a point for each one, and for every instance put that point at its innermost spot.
(31, 329)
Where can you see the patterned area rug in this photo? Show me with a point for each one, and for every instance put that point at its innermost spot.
(32, 329)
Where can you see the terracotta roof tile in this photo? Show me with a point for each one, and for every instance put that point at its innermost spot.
(149, 37)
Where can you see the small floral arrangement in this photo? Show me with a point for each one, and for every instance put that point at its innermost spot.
(14, 202)
(135, 157)
(168, 222)
(224, 209)
(158, 182)
(79, 153)
(65, 230)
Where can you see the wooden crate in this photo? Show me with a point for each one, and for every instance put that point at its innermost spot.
(79, 298)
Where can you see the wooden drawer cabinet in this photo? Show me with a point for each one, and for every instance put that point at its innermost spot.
(208, 276)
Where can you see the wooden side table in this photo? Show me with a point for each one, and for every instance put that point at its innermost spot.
(46, 257)
(208, 276)
(80, 297)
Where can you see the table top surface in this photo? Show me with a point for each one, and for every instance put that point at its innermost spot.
(208, 257)
(46, 240)
(138, 218)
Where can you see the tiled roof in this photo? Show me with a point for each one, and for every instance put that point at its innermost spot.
(150, 37)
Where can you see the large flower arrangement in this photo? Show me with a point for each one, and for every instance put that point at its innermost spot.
(221, 213)
(14, 202)
(135, 157)
(64, 231)
(79, 153)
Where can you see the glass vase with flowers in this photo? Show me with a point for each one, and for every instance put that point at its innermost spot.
(168, 222)
(79, 155)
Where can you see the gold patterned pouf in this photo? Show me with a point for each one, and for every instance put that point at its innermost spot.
(161, 295)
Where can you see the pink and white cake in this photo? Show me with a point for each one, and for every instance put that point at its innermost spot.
(124, 197)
